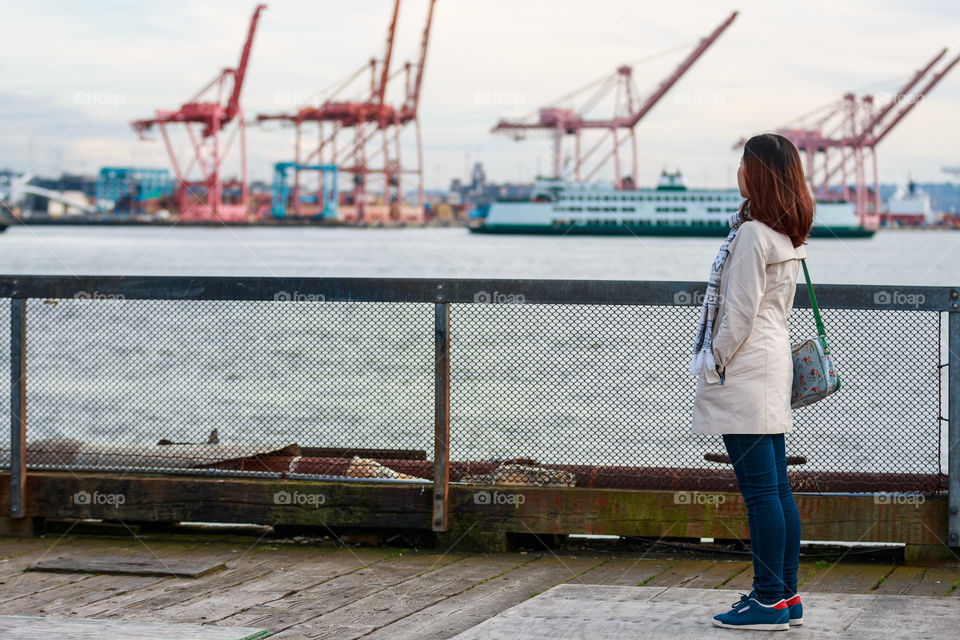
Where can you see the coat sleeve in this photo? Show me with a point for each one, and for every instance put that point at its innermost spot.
(746, 274)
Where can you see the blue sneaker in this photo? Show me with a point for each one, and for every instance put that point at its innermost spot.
(796, 610)
(749, 613)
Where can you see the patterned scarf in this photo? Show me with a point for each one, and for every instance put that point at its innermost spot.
(703, 359)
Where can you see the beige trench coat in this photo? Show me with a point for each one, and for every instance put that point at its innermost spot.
(751, 341)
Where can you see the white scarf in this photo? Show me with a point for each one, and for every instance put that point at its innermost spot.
(703, 359)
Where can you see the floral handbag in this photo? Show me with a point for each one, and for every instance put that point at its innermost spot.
(814, 374)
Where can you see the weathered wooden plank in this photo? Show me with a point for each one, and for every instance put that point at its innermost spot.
(31, 628)
(843, 577)
(87, 590)
(655, 513)
(291, 572)
(16, 554)
(543, 510)
(125, 565)
(919, 581)
(468, 608)
(30, 585)
(24, 591)
(10, 547)
(307, 604)
(718, 574)
(168, 591)
(384, 607)
(900, 581)
(679, 574)
(625, 571)
(743, 581)
(199, 499)
(66, 546)
(139, 603)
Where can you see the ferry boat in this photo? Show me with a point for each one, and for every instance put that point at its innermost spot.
(670, 209)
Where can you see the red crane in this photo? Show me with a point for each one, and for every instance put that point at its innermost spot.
(628, 111)
(203, 199)
(374, 128)
(839, 140)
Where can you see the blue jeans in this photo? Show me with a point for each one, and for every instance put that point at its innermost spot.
(760, 463)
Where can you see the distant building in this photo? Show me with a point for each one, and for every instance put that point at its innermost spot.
(477, 195)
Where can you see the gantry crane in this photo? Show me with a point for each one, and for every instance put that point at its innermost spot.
(203, 199)
(628, 111)
(367, 120)
(837, 138)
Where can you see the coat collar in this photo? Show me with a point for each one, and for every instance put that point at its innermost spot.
(777, 246)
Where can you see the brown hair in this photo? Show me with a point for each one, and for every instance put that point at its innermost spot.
(776, 189)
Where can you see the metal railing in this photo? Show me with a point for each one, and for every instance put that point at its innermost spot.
(568, 382)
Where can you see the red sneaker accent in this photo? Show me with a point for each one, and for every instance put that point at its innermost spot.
(781, 605)
(794, 600)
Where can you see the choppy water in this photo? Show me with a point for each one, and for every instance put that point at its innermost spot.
(604, 385)
(907, 257)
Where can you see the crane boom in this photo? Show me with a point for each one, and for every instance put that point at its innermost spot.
(878, 118)
(912, 103)
(418, 82)
(233, 105)
(866, 137)
(385, 72)
(679, 71)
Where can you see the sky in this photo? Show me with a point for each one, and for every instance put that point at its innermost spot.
(74, 74)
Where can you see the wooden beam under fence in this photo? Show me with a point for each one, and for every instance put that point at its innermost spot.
(489, 511)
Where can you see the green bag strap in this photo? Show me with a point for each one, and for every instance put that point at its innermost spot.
(821, 332)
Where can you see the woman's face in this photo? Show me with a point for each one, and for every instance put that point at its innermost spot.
(741, 181)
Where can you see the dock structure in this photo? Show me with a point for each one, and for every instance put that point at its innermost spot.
(295, 589)
(461, 415)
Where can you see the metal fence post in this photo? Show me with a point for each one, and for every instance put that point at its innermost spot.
(441, 413)
(953, 429)
(18, 405)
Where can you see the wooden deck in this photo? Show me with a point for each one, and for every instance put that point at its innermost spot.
(329, 590)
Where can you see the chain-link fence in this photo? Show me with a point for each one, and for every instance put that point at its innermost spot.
(604, 392)
(550, 393)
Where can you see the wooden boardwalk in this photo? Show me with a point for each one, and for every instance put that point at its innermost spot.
(328, 590)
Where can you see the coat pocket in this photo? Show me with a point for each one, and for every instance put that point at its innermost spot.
(747, 360)
(711, 377)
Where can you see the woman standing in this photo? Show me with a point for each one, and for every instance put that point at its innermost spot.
(744, 366)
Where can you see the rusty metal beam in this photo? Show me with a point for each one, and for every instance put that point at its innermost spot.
(441, 425)
(458, 290)
(18, 405)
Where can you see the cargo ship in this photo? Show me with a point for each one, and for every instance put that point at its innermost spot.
(670, 209)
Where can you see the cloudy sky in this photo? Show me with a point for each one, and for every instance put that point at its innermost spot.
(75, 73)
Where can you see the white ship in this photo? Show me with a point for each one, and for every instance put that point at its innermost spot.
(670, 209)
(909, 206)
